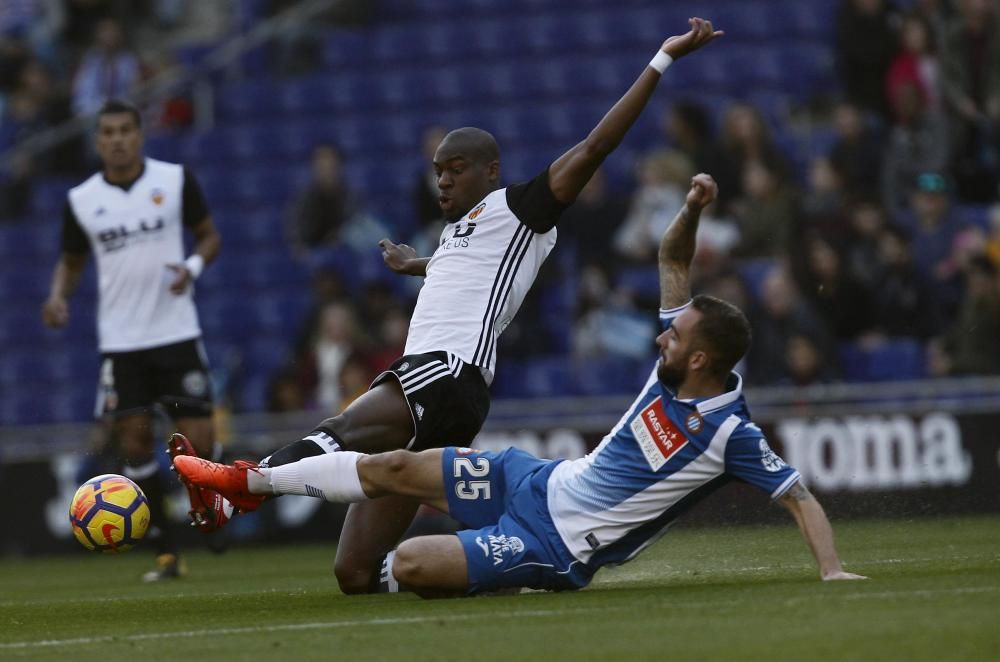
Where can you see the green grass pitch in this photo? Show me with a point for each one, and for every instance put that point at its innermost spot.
(747, 593)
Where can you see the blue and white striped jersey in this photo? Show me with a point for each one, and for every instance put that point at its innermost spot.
(662, 457)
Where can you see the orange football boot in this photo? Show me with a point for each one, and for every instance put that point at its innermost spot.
(228, 480)
(209, 510)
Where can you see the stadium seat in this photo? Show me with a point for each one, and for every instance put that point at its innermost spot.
(897, 359)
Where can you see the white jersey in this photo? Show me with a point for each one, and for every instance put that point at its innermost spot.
(134, 232)
(482, 270)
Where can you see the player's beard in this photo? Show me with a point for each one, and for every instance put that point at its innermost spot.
(672, 375)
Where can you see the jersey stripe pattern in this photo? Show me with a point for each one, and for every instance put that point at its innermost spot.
(133, 235)
(476, 281)
(662, 457)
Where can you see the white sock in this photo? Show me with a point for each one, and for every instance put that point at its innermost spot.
(387, 581)
(333, 477)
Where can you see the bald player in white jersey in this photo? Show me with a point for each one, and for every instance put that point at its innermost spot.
(552, 524)
(489, 254)
(132, 217)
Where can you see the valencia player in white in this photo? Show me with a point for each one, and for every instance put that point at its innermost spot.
(488, 256)
(132, 216)
(552, 524)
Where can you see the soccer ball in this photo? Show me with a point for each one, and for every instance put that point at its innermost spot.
(109, 514)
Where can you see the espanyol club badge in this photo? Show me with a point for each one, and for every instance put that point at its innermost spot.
(693, 422)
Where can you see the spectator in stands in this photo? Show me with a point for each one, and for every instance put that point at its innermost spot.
(745, 140)
(933, 229)
(608, 320)
(903, 298)
(842, 302)
(664, 176)
(82, 19)
(857, 151)
(108, 69)
(335, 343)
(866, 43)
(806, 363)
(285, 392)
(824, 202)
(915, 64)
(918, 143)
(866, 221)
(766, 213)
(392, 333)
(321, 212)
(784, 314)
(688, 129)
(971, 80)
(591, 223)
(970, 346)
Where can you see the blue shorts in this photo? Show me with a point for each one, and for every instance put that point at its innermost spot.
(511, 540)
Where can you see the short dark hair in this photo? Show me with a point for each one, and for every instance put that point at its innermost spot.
(723, 332)
(116, 106)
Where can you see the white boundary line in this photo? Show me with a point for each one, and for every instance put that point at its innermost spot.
(413, 620)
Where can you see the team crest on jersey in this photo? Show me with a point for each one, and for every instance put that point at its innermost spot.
(403, 366)
(693, 422)
(656, 435)
(474, 214)
(157, 196)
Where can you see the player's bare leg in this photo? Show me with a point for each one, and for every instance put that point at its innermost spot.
(371, 530)
(432, 566)
(378, 421)
(345, 477)
(135, 438)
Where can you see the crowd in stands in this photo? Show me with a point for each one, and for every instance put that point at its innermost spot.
(889, 234)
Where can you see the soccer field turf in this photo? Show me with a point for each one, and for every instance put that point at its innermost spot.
(710, 594)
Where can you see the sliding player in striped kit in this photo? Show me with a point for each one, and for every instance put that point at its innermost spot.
(551, 524)
(489, 254)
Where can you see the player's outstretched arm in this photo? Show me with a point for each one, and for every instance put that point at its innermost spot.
(65, 279)
(571, 171)
(817, 531)
(678, 243)
(403, 259)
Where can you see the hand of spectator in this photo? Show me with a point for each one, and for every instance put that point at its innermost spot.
(55, 312)
(701, 33)
(182, 278)
(703, 192)
(398, 257)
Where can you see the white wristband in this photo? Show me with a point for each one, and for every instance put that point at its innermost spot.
(195, 265)
(660, 62)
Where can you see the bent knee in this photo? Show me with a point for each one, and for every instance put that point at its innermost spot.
(409, 565)
(352, 578)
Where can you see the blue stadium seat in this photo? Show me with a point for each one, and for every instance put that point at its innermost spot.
(345, 49)
(896, 360)
(255, 99)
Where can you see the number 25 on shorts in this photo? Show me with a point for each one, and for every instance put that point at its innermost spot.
(470, 467)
